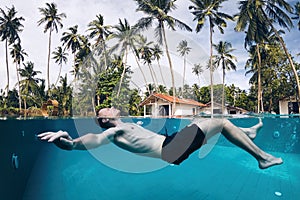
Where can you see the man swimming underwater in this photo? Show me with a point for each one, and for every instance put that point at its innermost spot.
(172, 149)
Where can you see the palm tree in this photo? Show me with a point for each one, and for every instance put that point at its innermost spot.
(29, 84)
(87, 88)
(297, 13)
(256, 33)
(265, 13)
(66, 95)
(208, 10)
(145, 52)
(127, 37)
(273, 11)
(52, 19)
(198, 70)
(184, 50)
(10, 26)
(139, 54)
(71, 41)
(84, 55)
(98, 30)
(259, 60)
(18, 54)
(157, 53)
(60, 57)
(159, 10)
(226, 60)
(256, 67)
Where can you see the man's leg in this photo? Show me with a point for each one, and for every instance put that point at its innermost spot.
(236, 136)
(252, 131)
(239, 138)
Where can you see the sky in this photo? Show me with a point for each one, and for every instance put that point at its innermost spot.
(81, 12)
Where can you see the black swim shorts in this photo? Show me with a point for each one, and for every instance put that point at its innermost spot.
(177, 147)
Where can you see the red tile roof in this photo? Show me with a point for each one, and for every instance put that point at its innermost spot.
(170, 99)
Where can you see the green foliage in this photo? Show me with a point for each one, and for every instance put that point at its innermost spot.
(105, 80)
(10, 111)
(204, 95)
(134, 101)
(63, 94)
(108, 85)
(12, 98)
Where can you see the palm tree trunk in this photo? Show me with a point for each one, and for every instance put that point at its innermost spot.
(7, 68)
(104, 54)
(162, 77)
(19, 89)
(258, 80)
(152, 76)
(155, 77)
(18, 79)
(144, 77)
(171, 68)
(93, 104)
(25, 101)
(184, 66)
(261, 102)
(211, 70)
(25, 108)
(123, 73)
(60, 67)
(75, 70)
(48, 63)
(270, 104)
(223, 89)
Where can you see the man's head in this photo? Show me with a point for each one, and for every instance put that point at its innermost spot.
(108, 116)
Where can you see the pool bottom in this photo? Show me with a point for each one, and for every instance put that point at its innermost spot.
(226, 173)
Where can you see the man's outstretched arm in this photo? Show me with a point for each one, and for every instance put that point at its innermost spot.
(89, 141)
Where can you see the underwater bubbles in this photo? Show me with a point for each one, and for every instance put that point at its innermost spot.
(276, 134)
(140, 123)
(279, 194)
(15, 161)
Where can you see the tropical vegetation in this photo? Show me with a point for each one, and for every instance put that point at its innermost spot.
(102, 74)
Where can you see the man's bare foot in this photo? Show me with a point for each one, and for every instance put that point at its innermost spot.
(252, 131)
(269, 161)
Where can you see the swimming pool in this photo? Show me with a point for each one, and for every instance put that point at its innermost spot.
(32, 170)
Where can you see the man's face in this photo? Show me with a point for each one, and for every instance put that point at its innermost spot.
(109, 113)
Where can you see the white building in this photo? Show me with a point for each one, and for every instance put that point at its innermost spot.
(161, 105)
(288, 106)
(228, 110)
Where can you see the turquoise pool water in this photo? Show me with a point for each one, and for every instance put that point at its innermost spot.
(44, 172)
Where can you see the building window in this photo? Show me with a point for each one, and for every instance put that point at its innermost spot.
(149, 110)
(164, 110)
(232, 112)
(218, 111)
(293, 108)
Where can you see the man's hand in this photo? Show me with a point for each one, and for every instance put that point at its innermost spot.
(61, 139)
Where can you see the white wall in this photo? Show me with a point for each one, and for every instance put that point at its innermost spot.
(180, 109)
(184, 109)
(283, 107)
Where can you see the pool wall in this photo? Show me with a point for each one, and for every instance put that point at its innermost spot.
(18, 137)
(42, 171)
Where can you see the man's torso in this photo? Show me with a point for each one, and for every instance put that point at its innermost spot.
(139, 140)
